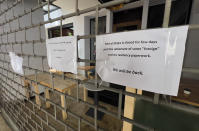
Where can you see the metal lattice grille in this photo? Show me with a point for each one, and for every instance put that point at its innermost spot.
(26, 113)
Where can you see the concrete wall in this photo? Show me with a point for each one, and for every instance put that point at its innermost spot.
(31, 34)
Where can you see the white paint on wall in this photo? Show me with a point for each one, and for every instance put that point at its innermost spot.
(68, 6)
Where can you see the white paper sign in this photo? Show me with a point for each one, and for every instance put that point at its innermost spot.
(62, 53)
(149, 60)
(16, 63)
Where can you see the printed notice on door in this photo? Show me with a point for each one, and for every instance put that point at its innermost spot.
(62, 53)
(149, 60)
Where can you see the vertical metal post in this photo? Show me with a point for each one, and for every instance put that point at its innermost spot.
(52, 81)
(96, 33)
(131, 101)
(48, 9)
(96, 76)
(55, 111)
(120, 105)
(76, 7)
(78, 90)
(79, 124)
(23, 4)
(156, 98)
(33, 48)
(38, 2)
(145, 14)
(42, 63)
(31, 17)
(167, 12)
(61, 27)
(66, 128)
(165, 25)
(47, 119)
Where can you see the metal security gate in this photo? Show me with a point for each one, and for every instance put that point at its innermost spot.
(29, 114)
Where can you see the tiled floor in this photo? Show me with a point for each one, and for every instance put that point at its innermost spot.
(3, 125)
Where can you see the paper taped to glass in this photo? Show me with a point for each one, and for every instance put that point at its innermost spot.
(149, 60)
(16, 63)
(62, 53)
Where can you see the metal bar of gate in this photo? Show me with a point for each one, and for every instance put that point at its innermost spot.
(165, 25)
(73, 98)
(178, 106)
(106, 88)
(79, 118)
